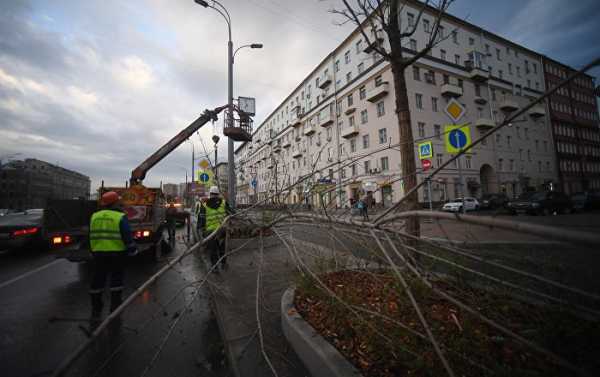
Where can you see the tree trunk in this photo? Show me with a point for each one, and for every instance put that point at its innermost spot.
(407, 150)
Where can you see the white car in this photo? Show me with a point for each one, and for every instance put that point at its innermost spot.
(471, 204)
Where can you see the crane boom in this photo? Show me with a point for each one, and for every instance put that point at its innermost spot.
(139, 173)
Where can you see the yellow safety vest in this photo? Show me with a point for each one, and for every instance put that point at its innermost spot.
(215, 216)
(105, 233)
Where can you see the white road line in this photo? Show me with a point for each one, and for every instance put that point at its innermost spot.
(14, 280)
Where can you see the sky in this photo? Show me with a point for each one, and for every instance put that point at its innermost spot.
(98, 85)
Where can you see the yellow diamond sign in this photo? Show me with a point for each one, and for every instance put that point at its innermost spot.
(455, 110)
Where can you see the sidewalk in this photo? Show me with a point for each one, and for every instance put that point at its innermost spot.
(233, 294)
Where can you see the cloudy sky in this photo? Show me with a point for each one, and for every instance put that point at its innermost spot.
(97, 86)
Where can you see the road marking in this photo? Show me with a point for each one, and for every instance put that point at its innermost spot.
(14, 280)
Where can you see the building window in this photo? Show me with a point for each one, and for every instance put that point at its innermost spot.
(362, 92)
(380, 108)
(498, 56)
(426, 26)
(434, 104)
(438, 131)
(487, 49)
(413, 44)
(460, 83)
(511, 165)
(382, 135)
(347, 57)
(385, 164)
(498, 139)
(361, 68)
(443, 54)
(353, 168)
(477, 90)
(364, 116)
(457, 59)
(336, 65)
(500, 164)
(455, 36)
(350, 100)
(508, 140)
(439, 159)
(349, 76)
(419, 101)
(468, 162)
(421, 129)
(365, 140)
(416, 74)
(353, 145)
(518, 71)
(367, 166)
(500, 74)
(411, 19)
(471, 41)
(529, 155)
(378, 80)
(446, 79)
(359, 46)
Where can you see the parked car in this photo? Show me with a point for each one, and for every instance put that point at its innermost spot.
(493, 201)
(456, 205)
(21, 229)
(5, 211)
(541, 203)
(583, 201)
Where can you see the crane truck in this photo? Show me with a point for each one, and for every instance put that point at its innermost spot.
(66, 222)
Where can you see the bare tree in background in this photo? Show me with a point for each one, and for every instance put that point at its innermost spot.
(374, 16)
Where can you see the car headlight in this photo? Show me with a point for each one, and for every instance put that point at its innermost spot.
(535, 204)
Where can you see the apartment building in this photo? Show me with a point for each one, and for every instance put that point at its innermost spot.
(337, 133)
(574, 118)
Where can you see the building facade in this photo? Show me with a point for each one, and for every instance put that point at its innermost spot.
(31, 183)
(337, 132)
(574, 117)
(171, 191)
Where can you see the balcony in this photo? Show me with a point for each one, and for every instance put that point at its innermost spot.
(350, 110)
(295, 119)
(449, 90)
(480, 100)
(286, 143)
(477, 72)
(377, 41)
(378, 92)
(277, 148)
(298, 136)
(325, 81)
(309, 129)
(325, 120)
(296, 153)
(509, 106)
(484, 124)
(537, 112)
(350, 131)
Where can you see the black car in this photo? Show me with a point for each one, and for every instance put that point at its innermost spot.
(586, 200)
(541, 203)
(21, 229)
(493, 201)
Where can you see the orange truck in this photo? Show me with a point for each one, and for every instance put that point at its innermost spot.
(145, 207)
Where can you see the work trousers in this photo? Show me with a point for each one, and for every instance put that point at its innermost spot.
(216, 247)
(107, 266)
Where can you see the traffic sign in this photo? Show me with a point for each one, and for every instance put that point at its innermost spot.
(254, 182)
(457, 137)
(205, 177)
(425, 150)
(455, 110)
(426, 164)
(204, 164)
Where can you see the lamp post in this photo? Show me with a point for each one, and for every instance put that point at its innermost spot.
(230, 55)
(215, 140)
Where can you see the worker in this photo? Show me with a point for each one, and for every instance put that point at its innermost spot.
(110, 242)
(212, 215)
(171, 222)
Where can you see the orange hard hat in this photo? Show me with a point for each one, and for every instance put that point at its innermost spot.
(109, 198)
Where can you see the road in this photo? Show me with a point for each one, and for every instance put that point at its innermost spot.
(45, 307)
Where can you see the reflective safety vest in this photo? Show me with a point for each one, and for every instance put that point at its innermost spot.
(105, 233)
(215, 216)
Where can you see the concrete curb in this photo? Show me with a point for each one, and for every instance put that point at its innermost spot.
(318, 356)
(493, 243)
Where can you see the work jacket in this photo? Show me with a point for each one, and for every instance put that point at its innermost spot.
(106, 232)
(212, 214)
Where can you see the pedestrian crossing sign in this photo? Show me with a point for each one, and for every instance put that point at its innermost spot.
(425, 150)
(457, 137)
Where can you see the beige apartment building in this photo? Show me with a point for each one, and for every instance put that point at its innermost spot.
(338, 126)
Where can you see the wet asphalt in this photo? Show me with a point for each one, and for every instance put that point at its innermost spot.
(44, 316)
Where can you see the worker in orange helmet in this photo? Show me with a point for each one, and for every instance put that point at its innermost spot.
(110, 242)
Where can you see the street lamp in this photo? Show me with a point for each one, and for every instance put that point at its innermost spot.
(230, 54)
(215, 140)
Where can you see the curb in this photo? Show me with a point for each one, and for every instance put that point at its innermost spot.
(497, 243)
(318, 356)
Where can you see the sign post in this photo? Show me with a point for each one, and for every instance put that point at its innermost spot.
(457, 137)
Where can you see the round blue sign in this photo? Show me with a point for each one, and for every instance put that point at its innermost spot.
(457, 138)
(204, 177)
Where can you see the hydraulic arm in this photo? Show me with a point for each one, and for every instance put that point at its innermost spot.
(139, 173)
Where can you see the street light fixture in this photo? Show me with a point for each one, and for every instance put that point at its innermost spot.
(230, 122)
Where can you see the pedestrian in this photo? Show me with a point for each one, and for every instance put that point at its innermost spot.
(362, 206)
(171, 222)
(110, 242)
(212, 215)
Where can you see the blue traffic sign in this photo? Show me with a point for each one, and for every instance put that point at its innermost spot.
(254, 183)
(425, 150)
(204, 177)
(457, 138)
